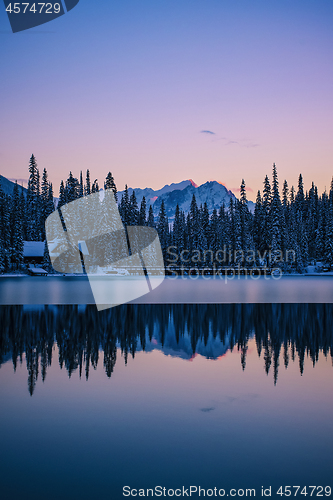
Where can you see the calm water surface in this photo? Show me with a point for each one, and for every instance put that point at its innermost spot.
(181, 290)
(226, 396)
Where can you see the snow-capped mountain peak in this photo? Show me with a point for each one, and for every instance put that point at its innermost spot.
(213, 193)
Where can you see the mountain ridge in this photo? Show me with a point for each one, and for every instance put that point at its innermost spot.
(8, 186)
(213, 193)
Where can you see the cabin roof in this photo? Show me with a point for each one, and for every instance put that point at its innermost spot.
(33, 248)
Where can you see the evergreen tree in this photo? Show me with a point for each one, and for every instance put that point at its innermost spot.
(4, 231)
(285, 195)
(133, 210)
(231, 228)
(16, 233)
(193, 225)
(204, 257)
(311, 220)
(62, 195)
(178, 231)
(110, 184)
(143, 213)
(81, 186)
(87, 189)
(45, 191)
(224, 234)
(46, 259)
(151, 219)
(95, 187)
(267, 230)
(23, 210)
(299, 200)
(47, 206)
(245, 220)
(214, 234)
(163, 228)
(238, 254)
(258, 223)
(72, 188)
(204, 218)
(33, 202)
(328, 254)
(124, 207)
(275, 222)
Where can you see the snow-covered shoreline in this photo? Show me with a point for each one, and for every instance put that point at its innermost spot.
(81, 275)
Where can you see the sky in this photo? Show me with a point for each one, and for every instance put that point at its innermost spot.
(161, 91)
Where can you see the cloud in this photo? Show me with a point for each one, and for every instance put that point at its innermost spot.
(207, 132)
(207, 410)
(227, 141)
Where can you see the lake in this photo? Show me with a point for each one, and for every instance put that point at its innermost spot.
(226, 396)
(182, 290)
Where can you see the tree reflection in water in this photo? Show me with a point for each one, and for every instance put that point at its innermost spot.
(83, 335)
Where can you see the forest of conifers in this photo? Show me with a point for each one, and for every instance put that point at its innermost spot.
(287, 230)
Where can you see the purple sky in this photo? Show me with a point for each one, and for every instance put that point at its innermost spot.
(135, 87)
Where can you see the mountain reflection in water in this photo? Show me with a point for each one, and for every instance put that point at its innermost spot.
(282, 332)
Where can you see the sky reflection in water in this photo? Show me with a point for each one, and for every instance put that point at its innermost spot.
(194, 406)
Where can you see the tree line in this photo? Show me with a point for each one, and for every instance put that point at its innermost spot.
(289, 230)
(282, 333)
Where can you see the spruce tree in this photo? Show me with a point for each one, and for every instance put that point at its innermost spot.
(245, 220)
(151, 219)
(23, 210)
(46, 204)
(124, 207)
(133, 210)
(16, 234)
(46, 259)
(224, 234)
(62, 195)
(214, 233)
(299, 200)
(267, 230)
(328, 253)
(81, 186)
(110, 184)
(143, 213)
(4, 231)
(163, 228)
(275, 222)
(72, 188)
(193, 225)
(311, 220)
(285, 194)
(258, 224)
(87, 189)
(204, 217)
(95, 187)
(231, 228)
(33, 202)
(178, 231)
(238, 256)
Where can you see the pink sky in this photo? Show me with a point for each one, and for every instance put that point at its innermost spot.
(135, 95)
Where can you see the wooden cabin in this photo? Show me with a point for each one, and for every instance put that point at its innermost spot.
(33, 252)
